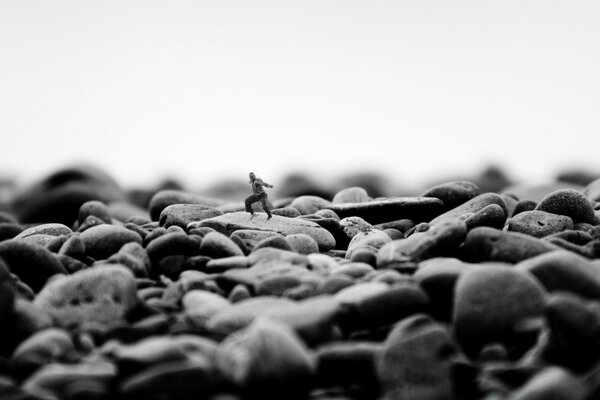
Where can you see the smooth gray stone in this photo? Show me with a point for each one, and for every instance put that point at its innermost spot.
(229, 223)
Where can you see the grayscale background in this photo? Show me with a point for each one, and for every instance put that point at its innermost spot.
(205, 91)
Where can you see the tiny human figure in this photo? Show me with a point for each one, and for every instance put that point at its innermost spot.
(258, 194)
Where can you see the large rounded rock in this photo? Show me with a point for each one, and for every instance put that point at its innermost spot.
(377, 211)
(102, 241)
(217, 245)
(539, 223)
(309, 204)
(489, 244)
(472, 206)
(495, 304)
(102, 294)
(267, 360)
(32, 263)
(372, 240)
(438, 240)
(164, 198)
(51, 229)
(183, 214)
(58, 197)
(565, 271)
(353, 194)
(592, 190)
(416, 361)
(229, 223)
(453, 194)
(571, 203)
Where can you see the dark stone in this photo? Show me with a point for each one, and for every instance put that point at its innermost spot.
(453, 193)
(417, 209)
(347, 364)
(470, 207)
(497, 304)
(182, 214)
(571, 203)
(104, 240)
(564, 271)
(172, 244)
(417, 360)
(539, 223)
(8, 230)
(435, 242)
(164, 198)
(32, 263)
(489, 244)
(58, 197)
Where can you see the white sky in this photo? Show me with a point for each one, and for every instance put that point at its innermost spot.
(205, 89)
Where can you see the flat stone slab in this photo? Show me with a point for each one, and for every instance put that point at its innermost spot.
(231, 222)
(417, 209)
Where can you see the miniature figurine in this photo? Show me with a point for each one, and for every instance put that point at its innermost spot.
(258, 194)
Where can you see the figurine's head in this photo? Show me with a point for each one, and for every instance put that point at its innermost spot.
(252, 176)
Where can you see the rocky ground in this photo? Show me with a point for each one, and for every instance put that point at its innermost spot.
(457, 293)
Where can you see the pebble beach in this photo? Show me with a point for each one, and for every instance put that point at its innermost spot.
(467, 290)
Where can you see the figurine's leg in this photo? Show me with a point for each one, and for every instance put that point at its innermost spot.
(248, 202)
(265, 206)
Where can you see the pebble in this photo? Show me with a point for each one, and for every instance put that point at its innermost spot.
(492, 215)
(276, 242)
(183, 214)
(104, 240)
(52, 345)
(472, 206)
(51, 229)
(435, 242)
(417, 209)
(55, 381)
(243, 313)
(267, 359)
(304, 306)
(348, 363)
(309, 204)
(100, 294)
(8, 230)
(495, 304)
(186, 379)
(289, 212)
(217, 245)
(302, 243)
(453, 193)
(539, 223)
(164, 198)
(58, 197)
(229, 223)
(417, 360)
(574, 332)
(172, 244)
(32, 263)
(552, 383)
(7, 294)
(438, 277)
(388, 306)
(571, 203)
(201, 305)
(96, 209)
(592, 190)
(562, 270)
(489, 244)
(353, 194)
(372, 241)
